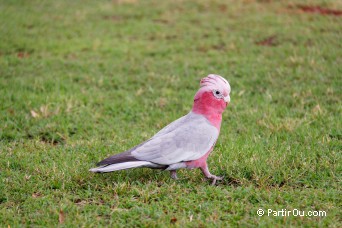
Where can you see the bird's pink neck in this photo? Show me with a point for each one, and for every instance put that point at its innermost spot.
(211, 108)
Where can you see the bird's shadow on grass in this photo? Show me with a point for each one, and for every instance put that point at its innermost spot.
(159, 177)
(142, 176)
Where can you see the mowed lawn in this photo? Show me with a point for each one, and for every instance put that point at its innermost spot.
(81, 80)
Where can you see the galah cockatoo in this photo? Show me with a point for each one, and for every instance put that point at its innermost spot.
(186, 142)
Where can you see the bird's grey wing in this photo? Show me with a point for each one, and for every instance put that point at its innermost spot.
(127, 155)
(189, 141)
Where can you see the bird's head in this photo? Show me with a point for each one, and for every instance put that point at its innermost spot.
(213, 96)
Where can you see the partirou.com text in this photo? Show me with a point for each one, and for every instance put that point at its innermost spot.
(293, 212)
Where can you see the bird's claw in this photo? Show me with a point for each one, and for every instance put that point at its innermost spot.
(215, 178)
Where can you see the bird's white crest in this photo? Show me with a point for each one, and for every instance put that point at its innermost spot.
(214, 81)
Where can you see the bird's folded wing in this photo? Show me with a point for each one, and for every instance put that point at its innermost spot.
(186, 139)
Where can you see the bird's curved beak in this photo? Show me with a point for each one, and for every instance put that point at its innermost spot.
(227, 99)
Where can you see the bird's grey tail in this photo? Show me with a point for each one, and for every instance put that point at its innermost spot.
(118, 158)
(121, 166)
(122, 161)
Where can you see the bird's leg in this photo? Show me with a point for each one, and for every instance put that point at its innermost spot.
(208, 175)
(174, 174)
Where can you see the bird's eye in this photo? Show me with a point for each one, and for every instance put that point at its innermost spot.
(217, 94)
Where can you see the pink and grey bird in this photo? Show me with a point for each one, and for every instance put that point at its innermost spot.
(184, 143)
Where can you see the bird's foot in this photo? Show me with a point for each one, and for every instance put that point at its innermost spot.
(208, 175)
(214, 178)
(174, 174)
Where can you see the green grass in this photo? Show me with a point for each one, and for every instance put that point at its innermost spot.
(81, 80)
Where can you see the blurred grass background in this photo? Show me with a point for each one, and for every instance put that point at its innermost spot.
(82, 80)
